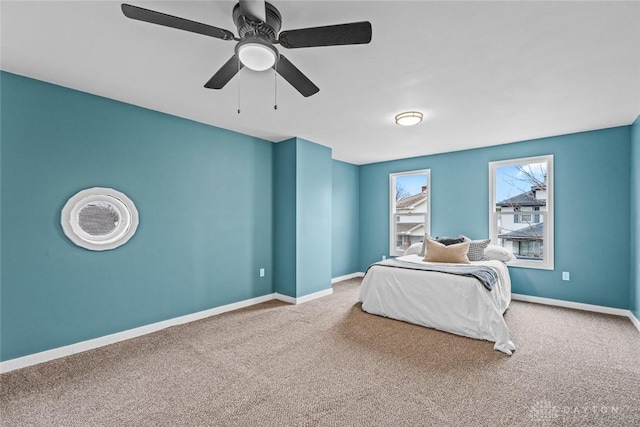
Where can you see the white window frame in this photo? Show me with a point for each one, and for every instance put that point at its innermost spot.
(545, 216)
(392, 207)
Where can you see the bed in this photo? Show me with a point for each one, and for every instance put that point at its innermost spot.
(448, 302)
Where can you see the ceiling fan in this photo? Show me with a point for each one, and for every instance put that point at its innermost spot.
(258, 24)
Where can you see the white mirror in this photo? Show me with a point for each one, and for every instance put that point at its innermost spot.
(99, 218)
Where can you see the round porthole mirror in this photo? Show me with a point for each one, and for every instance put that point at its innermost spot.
(99, 219)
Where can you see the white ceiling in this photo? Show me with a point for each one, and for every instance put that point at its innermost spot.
(483, 73)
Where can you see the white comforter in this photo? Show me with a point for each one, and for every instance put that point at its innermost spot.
(451, 303)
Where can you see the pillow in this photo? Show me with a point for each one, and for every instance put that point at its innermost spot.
(423, 250)
(446, 240)
(413, 249)
(476, 248)
(495, 252)
(456, 253)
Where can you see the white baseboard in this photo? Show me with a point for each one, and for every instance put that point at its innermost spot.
(579, 306)
(634, 320)
(346, 277)
(300, 300)
(68, 350)
(571, 304)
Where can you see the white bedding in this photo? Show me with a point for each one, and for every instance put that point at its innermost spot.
(451, 303)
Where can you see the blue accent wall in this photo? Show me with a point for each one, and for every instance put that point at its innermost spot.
(314, 183)
(303, 199)
(216, 206)
(634, 295)
(592, 219)
(284, 183)
(345, 219)
(204, 195)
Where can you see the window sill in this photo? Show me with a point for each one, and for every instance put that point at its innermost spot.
(535, 265)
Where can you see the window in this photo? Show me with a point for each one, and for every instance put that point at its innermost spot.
(409, 201)
(521, 209)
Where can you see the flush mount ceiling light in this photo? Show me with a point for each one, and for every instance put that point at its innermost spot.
(409, 118)
(256, 54)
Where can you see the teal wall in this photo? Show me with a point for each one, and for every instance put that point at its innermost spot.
(284, 184)
(216, 206)
(205, 200)
(313, 188)
(345, 219)
(592, 210)
(302, 226)
(634, 295)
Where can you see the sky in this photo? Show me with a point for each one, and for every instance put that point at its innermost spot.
(412, 183)
(511, 182)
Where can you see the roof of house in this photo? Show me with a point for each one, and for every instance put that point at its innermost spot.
(523, 199)
(411, 201)
(531, 232)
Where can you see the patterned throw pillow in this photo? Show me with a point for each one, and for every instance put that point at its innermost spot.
(476, 248)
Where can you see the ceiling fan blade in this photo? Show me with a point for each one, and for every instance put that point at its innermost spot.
(299, 81)
(254, 10)
(330, 35)
(224, 74)
(146, 15)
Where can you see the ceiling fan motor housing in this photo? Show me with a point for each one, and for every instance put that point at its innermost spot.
(269, 29)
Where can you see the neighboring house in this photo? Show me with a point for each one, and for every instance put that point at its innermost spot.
(522, 233)
(412, 212)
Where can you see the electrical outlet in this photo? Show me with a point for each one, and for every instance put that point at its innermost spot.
(565, 275)
(384, 257)
(262, 272)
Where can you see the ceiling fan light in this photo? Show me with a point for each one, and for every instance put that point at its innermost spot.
(409, 118)
(256, 55)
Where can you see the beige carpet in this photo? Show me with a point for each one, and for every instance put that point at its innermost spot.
(327, 363)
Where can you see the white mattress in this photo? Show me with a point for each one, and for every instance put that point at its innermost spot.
(451, 303)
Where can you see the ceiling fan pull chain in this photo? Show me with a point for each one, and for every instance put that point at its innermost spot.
(275, 86)
(238, 85)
